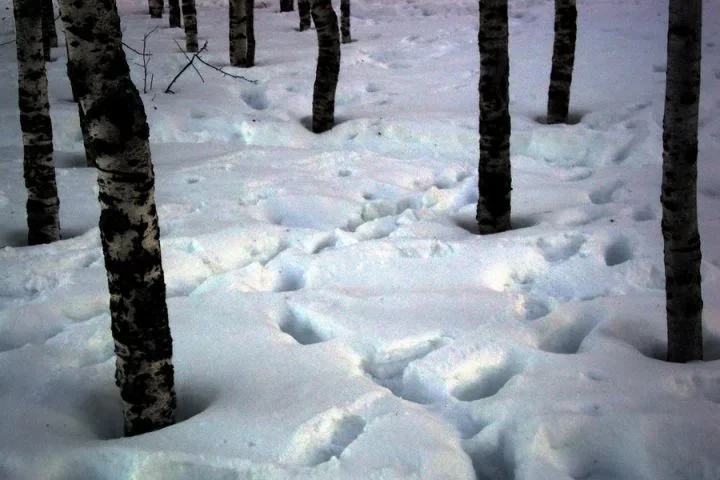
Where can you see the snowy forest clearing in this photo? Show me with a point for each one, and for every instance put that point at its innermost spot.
(333, 313)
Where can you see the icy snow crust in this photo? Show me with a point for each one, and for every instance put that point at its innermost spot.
(334, 314)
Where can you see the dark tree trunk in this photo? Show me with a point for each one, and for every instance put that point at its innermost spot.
(304, 11)
(242, 34)
(39, 171)
(328, 65)
(563, 61)
(494, 180)
(286, 5)
(174, 17)
(345, 21)
(128, 219)
(679, 187)
(50, 39)
(156, 8)
(90, 156)
(190, 22)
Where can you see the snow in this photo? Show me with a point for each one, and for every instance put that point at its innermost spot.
(334, 314)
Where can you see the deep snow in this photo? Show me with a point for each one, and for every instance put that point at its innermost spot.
(334, 314)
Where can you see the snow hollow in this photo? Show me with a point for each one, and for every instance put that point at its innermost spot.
(334, 314)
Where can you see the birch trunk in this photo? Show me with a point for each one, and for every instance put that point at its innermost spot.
(190, 21)
(563, 61)
(242, 34)
(39, 171)
(328, 65)
(50, 39)
(90, 157)
(304, 11)
(494, 179)
(156, 8)
(128, 219)
(345, 21)
(679, 186)
(174, 13)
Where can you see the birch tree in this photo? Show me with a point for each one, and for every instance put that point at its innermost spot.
(75, 81)
(494, 180)
(174, 13)
(190, 21)
(156, 8)
(129, 230)
(328, 65)
(50, 39)
(345, 21)
(304, 12)
(242, 33)
(679, 185)
(563, 61)
(39, 171)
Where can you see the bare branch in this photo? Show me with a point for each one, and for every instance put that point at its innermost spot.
(187, 65)
(196, 56)
(188, 59)
(145, 58)
(227, 74)
(134, 51)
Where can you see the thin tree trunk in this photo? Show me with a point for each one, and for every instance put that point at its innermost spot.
(679, 185)
(494, 180)
(286, 5)
(156, 8)
(328, 65)
(190, 22)
(563, 61)
(304, 11)
(90, 156)
(128, 219)
(174, 8)
(242, 34)
(39, 171)
(345, 20)
(250, 30)
(50, 39)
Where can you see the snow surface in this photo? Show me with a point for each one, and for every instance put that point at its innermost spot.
(334, 314)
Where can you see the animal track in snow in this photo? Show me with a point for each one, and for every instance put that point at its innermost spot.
(568, 338)
(386, 366)
(255, 98)
(603, 195)
(486, 384)
(562, 248)
(533, 308)
(426, 249)
(302, 328)
(618, 252)
(644, 213)
(326, 436)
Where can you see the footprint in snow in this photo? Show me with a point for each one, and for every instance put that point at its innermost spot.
(324, 437)
(618, 252)
(644, 213)
(255, 98)
(488, 382)
(302, 328)
(556, 250)
(386, 366)
(603, 195)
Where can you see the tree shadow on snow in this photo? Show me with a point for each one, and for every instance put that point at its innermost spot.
(469, 224)
(307, 122)
(574, 117)
(101, 410)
